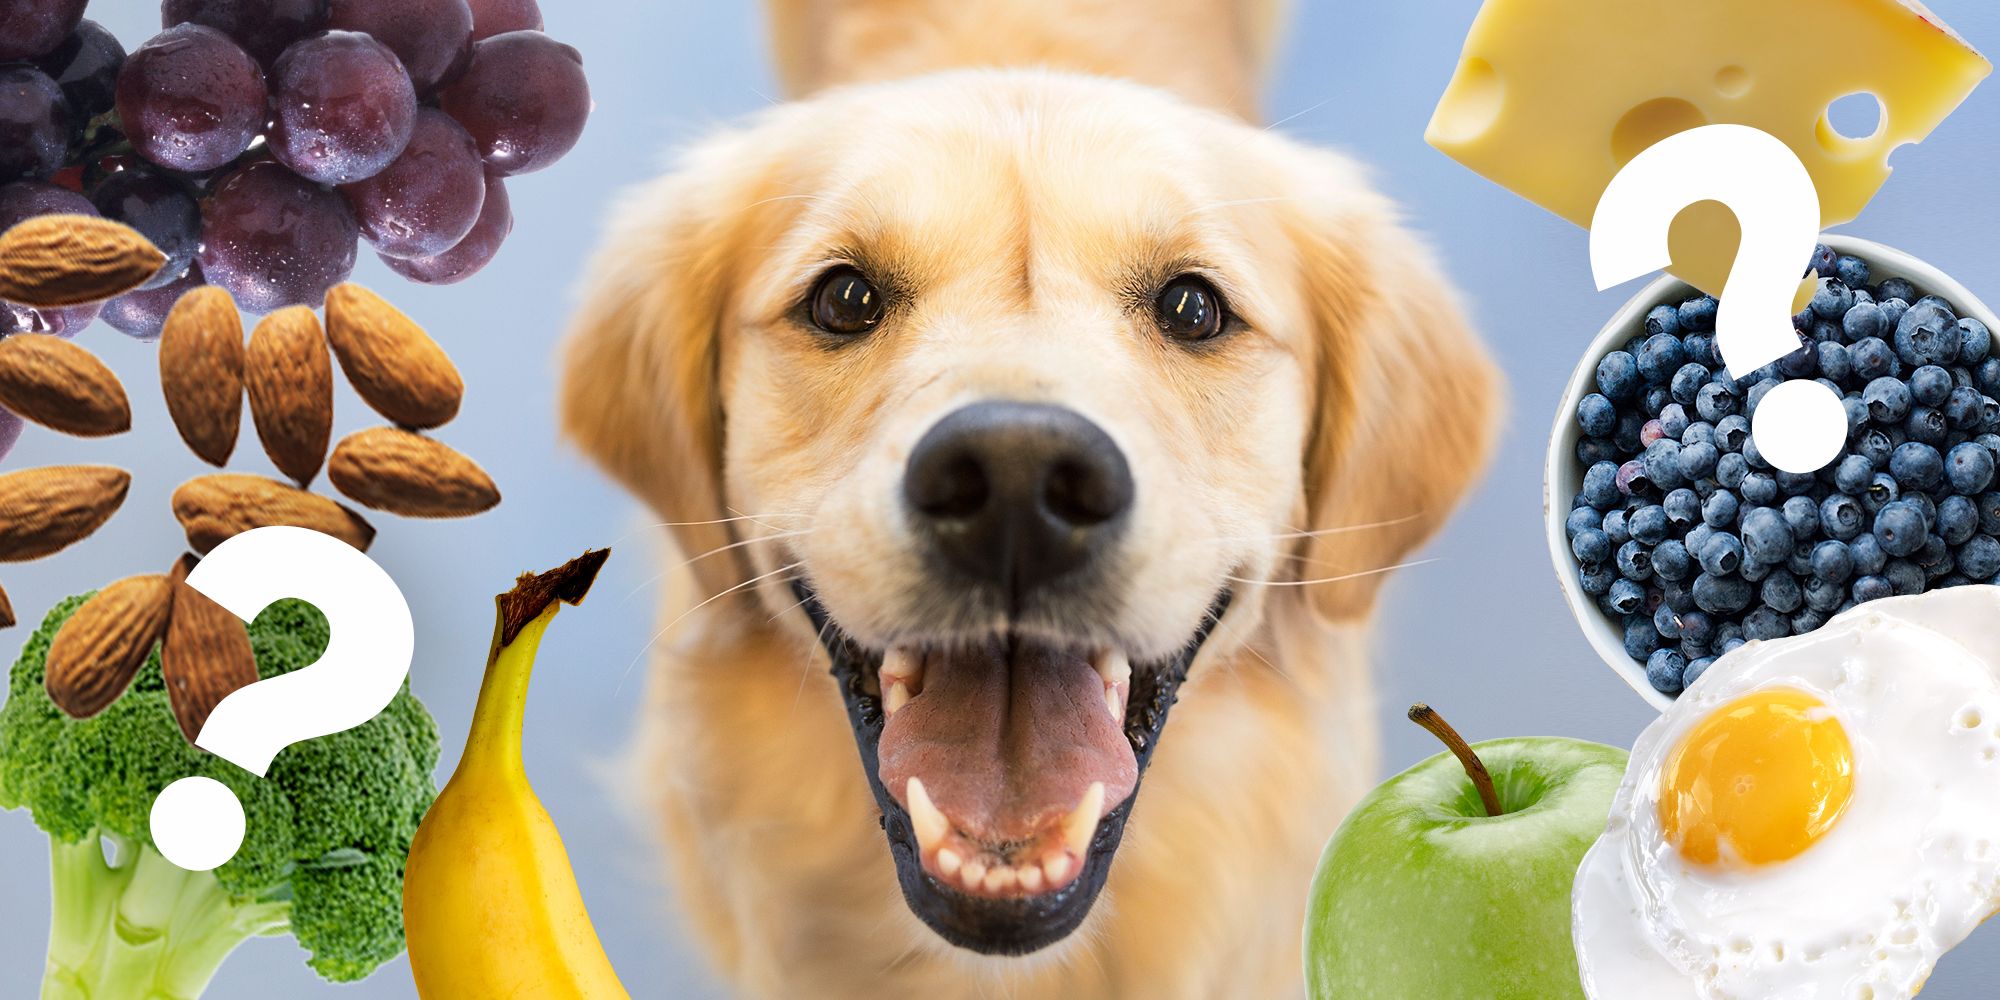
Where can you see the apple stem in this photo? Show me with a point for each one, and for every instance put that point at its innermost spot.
(1427, 717)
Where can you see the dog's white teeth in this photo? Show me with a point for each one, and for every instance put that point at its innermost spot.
(1114, 702)
(1079, 826)
(1031, 877)
(1113, 666)
(902, 664)
(948, 861)
(930, 824)
(1056, 866)
(974, 873)
(898, 695)
(999, 879)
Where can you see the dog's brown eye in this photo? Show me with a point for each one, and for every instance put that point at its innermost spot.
(845, 303)
(1189, 309)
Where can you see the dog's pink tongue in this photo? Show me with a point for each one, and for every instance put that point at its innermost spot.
(1007, 742)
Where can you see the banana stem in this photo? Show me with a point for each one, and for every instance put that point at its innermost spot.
(495, 738)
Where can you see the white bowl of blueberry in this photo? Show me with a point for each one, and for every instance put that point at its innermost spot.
(1675, 542)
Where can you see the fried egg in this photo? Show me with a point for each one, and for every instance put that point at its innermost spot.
(1817, 817)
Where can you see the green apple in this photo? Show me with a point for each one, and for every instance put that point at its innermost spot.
(1422, 893)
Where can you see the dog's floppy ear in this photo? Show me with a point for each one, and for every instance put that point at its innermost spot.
(1407, 399)
(639, 391)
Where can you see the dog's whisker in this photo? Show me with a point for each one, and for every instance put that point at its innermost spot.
(1300, 114)
(1331, 579)
(756, 519)
(657, 577)
(664, 629)
(1323, 532)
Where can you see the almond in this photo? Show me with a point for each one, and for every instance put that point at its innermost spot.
(44, 511)
(220, 506)
(291, 390)
(61, 386)
(69, 260)
(201, 371)
(98, 650)
(206, 656)
(405, 473)
(395, 366)
(6, 610)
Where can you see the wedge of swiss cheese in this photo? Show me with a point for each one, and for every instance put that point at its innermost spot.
(1552, 97)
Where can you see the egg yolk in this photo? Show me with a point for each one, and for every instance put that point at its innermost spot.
(1757, 781)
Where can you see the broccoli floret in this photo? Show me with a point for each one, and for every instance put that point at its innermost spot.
(322, 857)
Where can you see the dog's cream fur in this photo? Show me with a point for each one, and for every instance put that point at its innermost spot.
(1018, 207)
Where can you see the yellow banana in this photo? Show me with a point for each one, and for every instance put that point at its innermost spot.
(490, 906)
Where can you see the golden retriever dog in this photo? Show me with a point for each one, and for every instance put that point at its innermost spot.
(1005, 390)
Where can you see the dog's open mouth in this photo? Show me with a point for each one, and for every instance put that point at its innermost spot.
(1005, 771)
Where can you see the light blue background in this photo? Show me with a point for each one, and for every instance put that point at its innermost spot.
(1481, 633)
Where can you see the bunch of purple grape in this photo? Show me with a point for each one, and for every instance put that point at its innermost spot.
(256, 142)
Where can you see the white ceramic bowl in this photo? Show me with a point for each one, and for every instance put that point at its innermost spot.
(1563, 474)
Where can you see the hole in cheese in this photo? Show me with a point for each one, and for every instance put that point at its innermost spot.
(1854, 118)
(1649, 123)
(1471, 104)
(1732, 81)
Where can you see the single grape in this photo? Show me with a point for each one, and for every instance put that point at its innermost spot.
(342, 108)
(523, 98)
(29, 28)
(429, 198)
(429, 36)
(141, 314)
(275, 239)
(161, 207)
(263, 27)
(25, 200)
(86, 67)
(10, 431)
(497, 17)
(496, 220)
(34, 124)
(191, 99)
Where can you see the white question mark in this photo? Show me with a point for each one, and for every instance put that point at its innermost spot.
(197, 823)
(1799, 425)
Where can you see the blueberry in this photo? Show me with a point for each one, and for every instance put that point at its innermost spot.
(1868, 554)
(1853, 474)
(1805, 620)
(1618, 376)
(1635, 561)
(1663, 320)
(1802, 363)
(1767, 538)
(1938, 302)
(1926, 507)
(1667, 622)
(1875, 445)
(1832, 299)
(1898, 288)
(1781, 591)
(1965, 409)
(1824, 261)
(1695, 668)
(1664, 669)
(1596, 415)
(1596, 580)
(1580, 519)
(1730, 469)
(1857, 413)
(1663, 463)
(1754, 571)
(1615, 526)
(1864, 320)
(1698, 314)
(1625, 596)
(1925, 426)
(1834, 361)
(1676, 596)
(1633, 479)
(1592, 450)
(1647, 525)
(1729, 645)
(1927, 334)
(1765, 623)
(1801, 515)
(1979, 557)
(1969, 467)
(1841, 517)
(1958, 518)
(1655, 398)
(1674, 420)
(1682, 507)
(1792, 484)
(1832, 561)
(1888, 399)
(1824, 332)
(1906, 577)
(1755, 394)
(1640, 638)
(1720, 555)
(1718, 511)
(1799, 563)
(1916, 466)
(1867, 588)
(1650, 432)
(1873, 358)
(1591, 547)
(1852, 270)
(1975, 341)
(1759, 488)
(1687, 382)
(1696, 538)
(1671, 561)
(1989, 414)
(1600, 485)
(1933, 555)
(1987, 376)
(1715, 401)
(1989, 513)
(1880, 493)
(1930, 385)
(1899, 528)
(1661, 356)
(1732, 433)
(1699, 432)
(1824, 595)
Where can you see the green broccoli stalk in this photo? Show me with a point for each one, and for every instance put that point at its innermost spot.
(322, 857)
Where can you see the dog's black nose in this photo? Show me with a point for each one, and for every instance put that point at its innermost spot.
(1017, 494)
